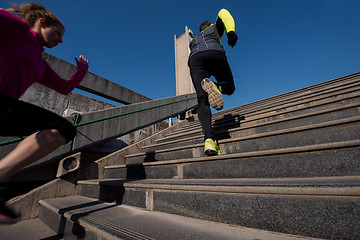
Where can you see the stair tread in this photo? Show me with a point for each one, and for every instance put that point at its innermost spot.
(197, 129)
(123, 222)
(314, 147)
(281, 131)
(289, 97)
(335, 186)
(25, 230)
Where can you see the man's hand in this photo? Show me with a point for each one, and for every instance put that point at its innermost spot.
(232, 38)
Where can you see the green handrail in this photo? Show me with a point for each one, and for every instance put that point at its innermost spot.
(128, 113)
(101, 119)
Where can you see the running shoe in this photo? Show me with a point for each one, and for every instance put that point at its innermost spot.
(6, 215)
(214, 93)
(211, 147)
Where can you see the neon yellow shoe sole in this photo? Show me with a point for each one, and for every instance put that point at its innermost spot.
(214, 95)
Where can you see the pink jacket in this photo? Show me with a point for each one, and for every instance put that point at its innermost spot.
(21, 63)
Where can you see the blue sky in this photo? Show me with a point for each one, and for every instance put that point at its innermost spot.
(283, 45)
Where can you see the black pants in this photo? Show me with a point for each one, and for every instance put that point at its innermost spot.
(18, 118)
(203, 65)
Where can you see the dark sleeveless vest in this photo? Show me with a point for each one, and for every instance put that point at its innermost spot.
(206, 40)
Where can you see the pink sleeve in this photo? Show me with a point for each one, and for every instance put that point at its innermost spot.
(52, 80)
(11, 24)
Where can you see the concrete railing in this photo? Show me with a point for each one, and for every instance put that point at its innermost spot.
(95, 84)
(115, 122)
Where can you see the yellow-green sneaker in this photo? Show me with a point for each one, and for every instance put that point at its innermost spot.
(214, 93)
(211, 147)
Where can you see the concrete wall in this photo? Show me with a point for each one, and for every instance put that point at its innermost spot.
(58, 103)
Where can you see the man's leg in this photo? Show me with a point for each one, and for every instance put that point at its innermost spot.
(223, 74)
(198, 73)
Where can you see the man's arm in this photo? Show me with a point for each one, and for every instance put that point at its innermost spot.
(225, 23)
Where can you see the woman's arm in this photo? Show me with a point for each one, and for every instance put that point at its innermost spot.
(54, 81)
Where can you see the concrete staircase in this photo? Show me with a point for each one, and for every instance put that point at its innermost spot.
(290, 168)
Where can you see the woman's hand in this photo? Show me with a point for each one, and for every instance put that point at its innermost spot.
(82, 62)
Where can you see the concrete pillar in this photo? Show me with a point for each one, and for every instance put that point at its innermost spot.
(183, 80)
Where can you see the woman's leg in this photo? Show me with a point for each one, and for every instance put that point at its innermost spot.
(46, 131)
(30, 150)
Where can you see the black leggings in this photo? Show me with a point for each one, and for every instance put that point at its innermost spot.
(203, 65)
(18, 118)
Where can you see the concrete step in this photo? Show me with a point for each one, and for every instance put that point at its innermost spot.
(319, 160)
(86, 218)
(294, 106)
(347, 83)
(275, 104)
(317, 90)
(315, 114)
(350, 94)
(196, 131)
(226, 121)
(32, 229)
(315, 207)
(307, 99)
(298, 105)
(219, 122)
(332, 131)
